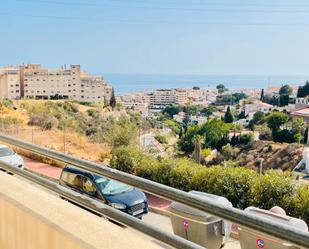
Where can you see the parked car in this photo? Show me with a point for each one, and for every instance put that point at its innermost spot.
(116, 194)
(9, 156)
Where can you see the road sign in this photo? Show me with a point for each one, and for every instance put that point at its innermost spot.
(185, 224)
(260, 243)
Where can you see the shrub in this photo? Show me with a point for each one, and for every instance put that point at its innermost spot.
(246, 139)
(161, 139)
(206, 152)
(275, 188)
(232, 183)
(229, 152)
(9, 121)
(181, 173)
(300, 203)
(284, 136)
(243, 187)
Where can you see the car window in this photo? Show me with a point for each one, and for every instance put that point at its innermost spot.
(111, 187)
(6, 152)
(88, 186)
(72, 179)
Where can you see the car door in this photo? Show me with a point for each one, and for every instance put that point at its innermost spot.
(73, 181)
(88, 187)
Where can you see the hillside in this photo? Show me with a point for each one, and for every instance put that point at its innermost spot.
(32, 121)
(274, 155)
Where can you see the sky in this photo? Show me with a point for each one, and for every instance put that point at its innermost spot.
(215, 37)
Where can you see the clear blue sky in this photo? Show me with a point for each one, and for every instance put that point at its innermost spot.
(265, 37)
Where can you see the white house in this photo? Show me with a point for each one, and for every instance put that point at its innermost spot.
(250, 109)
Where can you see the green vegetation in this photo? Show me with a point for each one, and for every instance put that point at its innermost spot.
(171, 110)
(276, 120)
(161, 138)
(282, 100)
(8, 121)
(115, 131)
(214, 133)
(303, 91)
(289, 135)
(243, 187)
(228, 117)
(173, 125)
(112, 101)
(221, 88)
(232, 99)
(262, 95)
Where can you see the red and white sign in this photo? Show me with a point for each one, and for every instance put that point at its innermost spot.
(260, 243)
(185, 224)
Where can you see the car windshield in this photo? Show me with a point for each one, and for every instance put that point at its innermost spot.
(111, 187)
(6, 152)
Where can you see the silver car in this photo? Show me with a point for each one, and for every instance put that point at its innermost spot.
(9, 156)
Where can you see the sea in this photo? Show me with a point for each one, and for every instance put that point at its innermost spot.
(128, 83)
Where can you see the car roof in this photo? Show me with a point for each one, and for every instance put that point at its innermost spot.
(75, 170)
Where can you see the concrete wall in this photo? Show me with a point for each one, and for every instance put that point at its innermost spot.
(33, 218)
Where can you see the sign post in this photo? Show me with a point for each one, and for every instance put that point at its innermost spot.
(186, 226)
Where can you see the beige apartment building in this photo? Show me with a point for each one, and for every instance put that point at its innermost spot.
(69, 83)
(35, 82)
(164, 97)
(9, 83)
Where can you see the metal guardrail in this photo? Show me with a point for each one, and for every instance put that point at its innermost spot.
(105, 210)
(269, 227)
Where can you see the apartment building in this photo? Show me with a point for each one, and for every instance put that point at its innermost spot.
(9, 83)
(94, 89)
(161, 98)
(35, 82)
(68, 83)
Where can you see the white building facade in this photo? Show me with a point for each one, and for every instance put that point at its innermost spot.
(9, 83)
(35, 82)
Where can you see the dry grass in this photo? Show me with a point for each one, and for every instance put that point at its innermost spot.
(75, 144)
(70, 142)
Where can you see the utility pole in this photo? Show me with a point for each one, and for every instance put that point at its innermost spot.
(32, 135)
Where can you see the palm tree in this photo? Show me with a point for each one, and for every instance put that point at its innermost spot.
(198, 141)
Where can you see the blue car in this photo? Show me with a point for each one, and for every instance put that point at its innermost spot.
(116, 194)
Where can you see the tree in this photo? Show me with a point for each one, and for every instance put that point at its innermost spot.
(180, 133)
(276, 120)
(284, 100)
(186, 121)
(228, 117)
(298, 126)
(172, 110)
(214, 132)
(198, 140)
(112, 101)
(285, 90)
(221, 88)
(258, 117)
(208, 111)
(242, 115)
(262, 95)
(303, 91)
